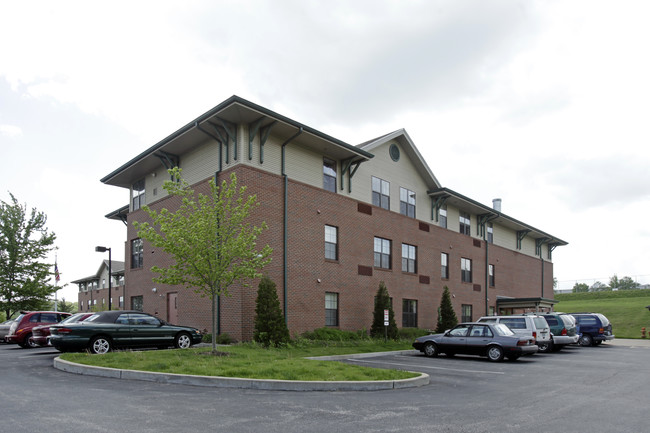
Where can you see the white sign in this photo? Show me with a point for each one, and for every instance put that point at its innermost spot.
(385, 317)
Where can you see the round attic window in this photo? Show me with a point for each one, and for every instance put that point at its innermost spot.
(394, 152)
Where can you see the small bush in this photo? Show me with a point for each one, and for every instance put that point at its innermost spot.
(333, 334)
(411, 333)
(223, 338)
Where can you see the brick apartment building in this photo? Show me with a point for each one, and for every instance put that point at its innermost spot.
(341, 219)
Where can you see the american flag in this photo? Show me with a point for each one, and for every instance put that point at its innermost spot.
(57, 277)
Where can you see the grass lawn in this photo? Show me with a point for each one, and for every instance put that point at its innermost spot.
(627, 314)
(253, 361)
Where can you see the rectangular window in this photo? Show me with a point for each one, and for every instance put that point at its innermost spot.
(136, 303)
(136, 253)
(444, 266)
(380, 193)
(407, 202)
(382, 253)
(466, 311)
(465, 223)
(331, 243)
(329, 175)
(443, 217)
(465, 270)
(409, 313)
(137, 194)
(121, 301)
(409, 258)
(491, 275)
(490, 233)
(331, 309)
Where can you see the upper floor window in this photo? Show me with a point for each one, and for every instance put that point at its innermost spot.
(491, 275)
(382, 253)
(465, 223)
(407, 202)
(490, 233)
(136, 253)
(444, 265)
(465, 270)
(443, 217)
(380, 193)
(329, 175)
(331, 243)
(409, 258)
(137, 194)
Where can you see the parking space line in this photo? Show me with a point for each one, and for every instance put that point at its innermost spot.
(422, 366)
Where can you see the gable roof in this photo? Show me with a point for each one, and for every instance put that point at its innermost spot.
(402, 137)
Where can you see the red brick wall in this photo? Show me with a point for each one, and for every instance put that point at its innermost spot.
(309, 275)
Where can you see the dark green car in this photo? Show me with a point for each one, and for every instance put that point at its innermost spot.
(107, 330)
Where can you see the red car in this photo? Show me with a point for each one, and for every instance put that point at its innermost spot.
(41, 334)
(21, 330)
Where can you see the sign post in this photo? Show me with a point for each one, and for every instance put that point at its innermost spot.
(385, 325)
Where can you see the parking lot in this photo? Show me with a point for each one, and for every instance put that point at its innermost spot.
(595, 389)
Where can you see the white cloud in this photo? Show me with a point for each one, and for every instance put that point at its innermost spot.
(10, 131)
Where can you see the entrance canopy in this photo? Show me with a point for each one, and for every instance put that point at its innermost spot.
(527, 304)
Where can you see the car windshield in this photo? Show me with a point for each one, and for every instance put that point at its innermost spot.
(502, 329)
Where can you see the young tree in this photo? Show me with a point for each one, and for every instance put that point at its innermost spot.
(270, 327)
(382, 302)
(625, 283)
(446, 317)
(209, 238)
(24, 244)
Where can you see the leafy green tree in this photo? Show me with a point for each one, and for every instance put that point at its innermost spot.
(580, 287)
(25, 243)
(447, 318)
(625, 283)
(599, 287)
(382, 302)
(270, 327)
(66, 307)
(208, 236)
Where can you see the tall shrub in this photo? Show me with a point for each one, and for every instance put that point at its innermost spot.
(270, 327)
(382, 302)
(446, 316)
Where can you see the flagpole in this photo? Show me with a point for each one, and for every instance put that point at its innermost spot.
(56, 281)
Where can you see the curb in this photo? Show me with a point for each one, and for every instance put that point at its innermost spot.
(236, 382)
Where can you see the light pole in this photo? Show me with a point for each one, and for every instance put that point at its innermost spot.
(103, 250)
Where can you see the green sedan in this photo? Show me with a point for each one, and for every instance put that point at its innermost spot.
(107, 330)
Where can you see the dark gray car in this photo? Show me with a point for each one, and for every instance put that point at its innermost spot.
(493, 340)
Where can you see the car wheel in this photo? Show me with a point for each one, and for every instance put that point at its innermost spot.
(431, 350)
(495, 353)
(513, 357)
(586, 340)
(182, 341)
(545, 347)
(100, 345)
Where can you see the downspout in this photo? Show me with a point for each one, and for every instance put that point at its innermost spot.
(487, 274)
(542, 259)
(285, 224)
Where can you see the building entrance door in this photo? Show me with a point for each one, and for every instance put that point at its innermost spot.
(172, 308)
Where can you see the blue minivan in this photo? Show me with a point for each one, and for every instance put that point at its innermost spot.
(593, 328)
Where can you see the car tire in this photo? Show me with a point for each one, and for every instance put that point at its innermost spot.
(586, 340)
(495, 353)
(28, 342)
(545, 347)
(183, 341)
(431, 350)
(100, 345)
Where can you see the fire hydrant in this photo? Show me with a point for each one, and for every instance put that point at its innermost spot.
(643, 332)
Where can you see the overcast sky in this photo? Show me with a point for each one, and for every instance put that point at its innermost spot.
(543, 104)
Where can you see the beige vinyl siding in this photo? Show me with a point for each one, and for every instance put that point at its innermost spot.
(304, 165)
(201, 163)
(399, 174)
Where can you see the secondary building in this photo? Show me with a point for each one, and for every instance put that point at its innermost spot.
(341, 218)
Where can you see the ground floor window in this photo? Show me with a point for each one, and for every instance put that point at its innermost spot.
(466, 313)
(331, 309)
(136, 303)
(409, 313)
